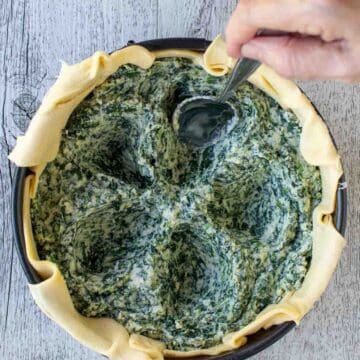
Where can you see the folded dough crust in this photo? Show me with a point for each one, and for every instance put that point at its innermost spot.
(40, 145)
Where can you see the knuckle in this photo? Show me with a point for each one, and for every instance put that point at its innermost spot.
(324, 31)
(287, 61)
(344, 61)
(282, 65)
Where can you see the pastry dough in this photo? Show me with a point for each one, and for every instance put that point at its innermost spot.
(41, 143)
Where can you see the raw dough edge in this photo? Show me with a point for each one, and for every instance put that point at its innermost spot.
(34, 150)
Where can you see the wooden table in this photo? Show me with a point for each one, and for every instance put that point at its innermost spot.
(34, 36)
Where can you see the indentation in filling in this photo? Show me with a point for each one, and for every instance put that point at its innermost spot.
(180, 245)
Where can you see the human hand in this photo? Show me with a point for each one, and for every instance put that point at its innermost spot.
(323, 40)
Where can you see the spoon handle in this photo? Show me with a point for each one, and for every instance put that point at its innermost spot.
(243, 68)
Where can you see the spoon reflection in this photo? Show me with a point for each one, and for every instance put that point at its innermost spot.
(203, 120)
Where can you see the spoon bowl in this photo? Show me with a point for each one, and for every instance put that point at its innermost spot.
(202, 121)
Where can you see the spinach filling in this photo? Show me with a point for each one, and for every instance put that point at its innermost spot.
(177, 244)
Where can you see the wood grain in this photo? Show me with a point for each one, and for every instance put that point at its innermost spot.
(34, 37)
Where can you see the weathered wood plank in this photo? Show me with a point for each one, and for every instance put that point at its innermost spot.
(34, 36)
(7, 268)
(191, 18)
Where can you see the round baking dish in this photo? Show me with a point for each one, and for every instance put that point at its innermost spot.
(256, 342)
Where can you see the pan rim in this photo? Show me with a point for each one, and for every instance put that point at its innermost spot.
(256, 342)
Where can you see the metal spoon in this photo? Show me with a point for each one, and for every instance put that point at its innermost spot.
(202, 121)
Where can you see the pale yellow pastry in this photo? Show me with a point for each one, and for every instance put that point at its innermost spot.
(40, 145)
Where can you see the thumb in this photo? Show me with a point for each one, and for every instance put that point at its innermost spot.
(299, 57)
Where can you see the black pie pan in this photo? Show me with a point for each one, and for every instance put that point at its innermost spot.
(256, 342)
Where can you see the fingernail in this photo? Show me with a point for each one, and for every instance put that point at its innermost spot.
(250, 50)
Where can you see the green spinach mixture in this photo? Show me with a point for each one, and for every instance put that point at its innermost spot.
(176, 244)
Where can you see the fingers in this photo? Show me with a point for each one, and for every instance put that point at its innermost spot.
(296, 16)
(238, 32)
(330, 52)
(300, 57)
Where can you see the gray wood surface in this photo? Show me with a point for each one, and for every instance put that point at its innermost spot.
(34, 36)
